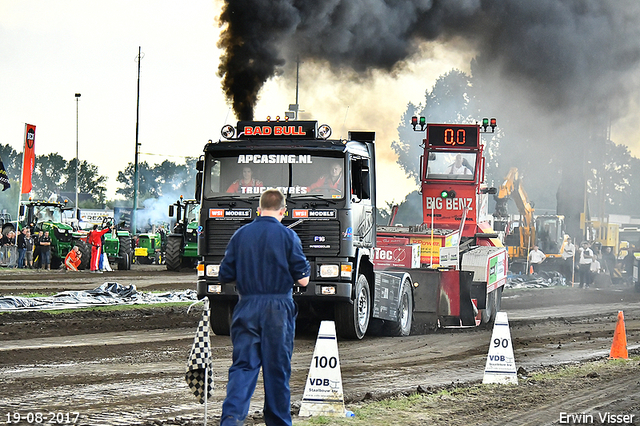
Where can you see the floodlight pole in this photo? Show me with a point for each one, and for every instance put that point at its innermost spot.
(135, 166)
(77, 158)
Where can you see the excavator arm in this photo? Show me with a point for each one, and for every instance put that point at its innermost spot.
(512, 188)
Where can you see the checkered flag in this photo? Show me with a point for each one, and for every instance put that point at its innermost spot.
(199, 363)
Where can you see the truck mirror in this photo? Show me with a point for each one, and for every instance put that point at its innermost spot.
(171, 210)
(22, 210)
(198, 186)
(200, 165)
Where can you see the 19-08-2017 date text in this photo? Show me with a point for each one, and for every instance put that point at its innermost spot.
(36, 417)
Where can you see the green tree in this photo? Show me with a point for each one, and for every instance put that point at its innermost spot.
(146, 182)
(159, 180)
(89, 181)
(449, 101)
(49, 175)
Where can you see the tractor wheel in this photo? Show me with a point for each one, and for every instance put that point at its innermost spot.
(352, 319)
(85, 250)
(221, 313)
(172, 255)
(125, 253)
(402, 327)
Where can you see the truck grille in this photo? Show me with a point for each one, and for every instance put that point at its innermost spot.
(318, 237)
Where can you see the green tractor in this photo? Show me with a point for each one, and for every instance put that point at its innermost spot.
(182, 244)
(48, 216)
(117, 245)
(151, 246)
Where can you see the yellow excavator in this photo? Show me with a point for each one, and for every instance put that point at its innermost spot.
(547, 231)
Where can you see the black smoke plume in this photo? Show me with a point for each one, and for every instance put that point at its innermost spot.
(555, 72)
(567, 54)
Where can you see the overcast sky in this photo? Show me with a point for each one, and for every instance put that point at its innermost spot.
(52, 50)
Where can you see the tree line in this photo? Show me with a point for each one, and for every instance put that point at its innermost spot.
(53, 174)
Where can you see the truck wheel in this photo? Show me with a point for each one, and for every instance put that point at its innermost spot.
(402, 327)
(85, 249)
(221, 313)
(172, 255)
(494, 301)
(352, 320)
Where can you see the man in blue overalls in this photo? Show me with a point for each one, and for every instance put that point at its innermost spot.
(265, 259)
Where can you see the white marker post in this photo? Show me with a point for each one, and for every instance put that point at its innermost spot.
(323, 394)
(501, 364)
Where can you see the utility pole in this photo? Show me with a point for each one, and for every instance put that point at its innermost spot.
(135, 164)
(77, 158)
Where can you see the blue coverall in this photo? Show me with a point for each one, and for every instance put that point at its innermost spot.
(264, 258)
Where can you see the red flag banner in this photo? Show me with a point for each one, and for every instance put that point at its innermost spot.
(29, 157)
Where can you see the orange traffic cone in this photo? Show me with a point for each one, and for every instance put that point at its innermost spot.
(531, 270)
(619, 346)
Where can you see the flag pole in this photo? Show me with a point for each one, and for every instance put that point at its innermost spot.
(24, 148)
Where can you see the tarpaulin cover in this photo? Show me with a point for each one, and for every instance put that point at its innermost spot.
(537, 280)
(109, 293)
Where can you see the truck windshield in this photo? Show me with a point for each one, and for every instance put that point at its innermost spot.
(451, 165)
(297, 175)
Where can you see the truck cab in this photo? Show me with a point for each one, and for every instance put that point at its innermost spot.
(330, 196)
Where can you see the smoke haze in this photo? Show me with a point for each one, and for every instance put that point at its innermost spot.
(555, 73)
(566, 54)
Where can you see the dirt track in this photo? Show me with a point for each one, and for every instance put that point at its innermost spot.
(127, 368)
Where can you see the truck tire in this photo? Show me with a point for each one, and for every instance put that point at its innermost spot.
(494, 302)
(124, 252)
(172, 255)
(402, 327)
(352, 319)
(85, 249)
(221, 313)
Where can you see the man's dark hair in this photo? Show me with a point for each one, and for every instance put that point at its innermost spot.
(272, 199)
(95, 227)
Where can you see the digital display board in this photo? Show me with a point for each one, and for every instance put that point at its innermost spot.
(453, 135)
(278, 129)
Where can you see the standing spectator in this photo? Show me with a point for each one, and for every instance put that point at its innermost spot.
(536, 257)
(584, 264)
(22, 248)
(568, 255)
(73, 259)
(2, 238)
(609, 261)
(45, 250)
(265, 259)
(627, 264)
(95, 239)
(37, 260)
(28, 242)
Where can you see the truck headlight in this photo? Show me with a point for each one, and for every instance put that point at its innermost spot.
(329, 271)
(213, 270)
(214, 288)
